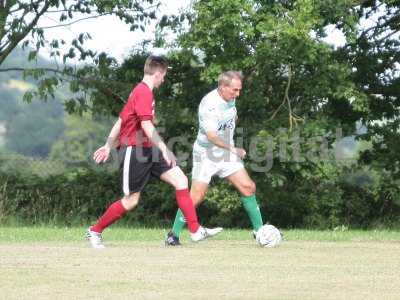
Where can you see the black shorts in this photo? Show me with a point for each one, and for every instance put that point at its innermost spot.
(137, 164)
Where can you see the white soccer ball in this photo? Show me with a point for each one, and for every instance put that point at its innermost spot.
(268, 236)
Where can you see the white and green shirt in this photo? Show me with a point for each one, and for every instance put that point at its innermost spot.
(215, 114)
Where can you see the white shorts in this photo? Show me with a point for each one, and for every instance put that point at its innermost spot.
(204, 168)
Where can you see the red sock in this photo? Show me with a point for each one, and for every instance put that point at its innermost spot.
(185, 203)
(113, 213)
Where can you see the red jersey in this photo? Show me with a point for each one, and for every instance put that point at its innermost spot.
(140, 107)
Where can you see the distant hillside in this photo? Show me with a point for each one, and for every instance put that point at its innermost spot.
(19, 58)
(28, 129)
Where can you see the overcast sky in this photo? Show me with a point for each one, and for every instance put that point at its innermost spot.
(109, 34)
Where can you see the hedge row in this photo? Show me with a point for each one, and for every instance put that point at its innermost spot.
(80, 196)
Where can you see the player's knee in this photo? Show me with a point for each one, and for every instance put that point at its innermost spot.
(196, 198)
(180, 181)
(130, 202)
(249, 188)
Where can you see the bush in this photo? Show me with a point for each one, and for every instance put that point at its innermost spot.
(80, 196)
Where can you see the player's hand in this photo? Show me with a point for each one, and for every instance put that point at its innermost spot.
(102, 154)
(239, 152)
(169, 157)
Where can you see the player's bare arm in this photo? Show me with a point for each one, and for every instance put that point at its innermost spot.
(151, 132)
(112, 140)
(217, 141)
(102, 154)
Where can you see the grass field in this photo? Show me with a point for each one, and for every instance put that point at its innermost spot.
(56, 263)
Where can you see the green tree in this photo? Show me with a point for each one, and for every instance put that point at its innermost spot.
(375, 54)
(19, 20)
(297, 84)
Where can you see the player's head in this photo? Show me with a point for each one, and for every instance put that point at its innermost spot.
(156, 67)
(230, 84)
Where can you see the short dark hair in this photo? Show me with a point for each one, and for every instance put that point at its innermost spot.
(155, 63)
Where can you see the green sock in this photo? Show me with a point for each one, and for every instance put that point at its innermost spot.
(253, 210)
(179, 223)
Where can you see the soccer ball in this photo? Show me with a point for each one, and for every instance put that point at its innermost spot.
(268, 236)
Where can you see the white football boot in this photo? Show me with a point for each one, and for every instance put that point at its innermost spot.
(95, 239)
(202, 233)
